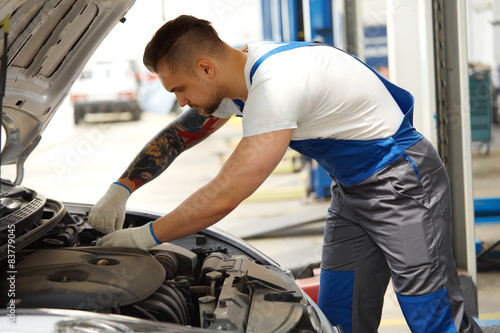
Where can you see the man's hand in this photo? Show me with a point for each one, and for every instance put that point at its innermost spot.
(109, 212)
(140, 238)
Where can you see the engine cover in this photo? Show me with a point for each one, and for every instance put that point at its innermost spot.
(87, 278)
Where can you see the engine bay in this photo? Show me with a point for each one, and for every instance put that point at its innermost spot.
(209, 280)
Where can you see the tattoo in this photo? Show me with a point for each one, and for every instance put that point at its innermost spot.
(204, 131)
(188, 129)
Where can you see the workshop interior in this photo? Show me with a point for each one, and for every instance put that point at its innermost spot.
(82, 58)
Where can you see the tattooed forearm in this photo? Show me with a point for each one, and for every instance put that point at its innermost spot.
(184, 132)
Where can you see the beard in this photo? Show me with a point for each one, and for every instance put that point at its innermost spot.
(212, 106)
(215, 99)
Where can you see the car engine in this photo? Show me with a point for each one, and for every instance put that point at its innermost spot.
(209, 280)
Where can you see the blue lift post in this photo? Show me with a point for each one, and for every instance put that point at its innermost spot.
(272, 29)
(279, 17)
(267, 20)
(320, 12)
(293, 20)
(283, 21)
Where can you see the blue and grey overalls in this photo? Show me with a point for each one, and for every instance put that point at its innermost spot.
(390, 215)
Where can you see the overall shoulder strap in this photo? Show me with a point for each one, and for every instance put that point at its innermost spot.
(279, 49)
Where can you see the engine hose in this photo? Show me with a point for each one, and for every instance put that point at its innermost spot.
(142, 313)
(179, 299)
(174, 285)
(170, 302)
(168, 261)
(198, 291)
(159, 310)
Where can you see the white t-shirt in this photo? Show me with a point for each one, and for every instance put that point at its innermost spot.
(319, 91)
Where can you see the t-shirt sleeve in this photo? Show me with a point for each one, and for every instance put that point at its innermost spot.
(274, 104)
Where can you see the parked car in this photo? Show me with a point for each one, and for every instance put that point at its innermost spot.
(53, 277)
(107, 87)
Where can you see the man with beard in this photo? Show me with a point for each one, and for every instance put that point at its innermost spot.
(390, 209)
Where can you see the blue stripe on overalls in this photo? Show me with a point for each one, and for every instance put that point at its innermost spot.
(352, 161)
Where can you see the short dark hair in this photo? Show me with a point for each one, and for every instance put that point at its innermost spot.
(179, 41)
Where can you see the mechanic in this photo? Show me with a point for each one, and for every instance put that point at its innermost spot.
(390, 213)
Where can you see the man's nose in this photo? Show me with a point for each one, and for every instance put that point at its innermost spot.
(181, 100)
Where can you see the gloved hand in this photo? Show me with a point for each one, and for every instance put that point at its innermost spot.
(108, 213)
(140, 237)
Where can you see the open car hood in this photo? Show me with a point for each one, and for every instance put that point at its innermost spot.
(48, 44)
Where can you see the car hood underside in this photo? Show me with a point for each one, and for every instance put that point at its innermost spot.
(48, 44)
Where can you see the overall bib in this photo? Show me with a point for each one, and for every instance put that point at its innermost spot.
(390, 215)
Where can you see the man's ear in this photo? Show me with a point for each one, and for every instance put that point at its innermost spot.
(206, 67)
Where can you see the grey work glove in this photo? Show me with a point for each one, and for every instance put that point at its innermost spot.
(140, 238)
(108, 213)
